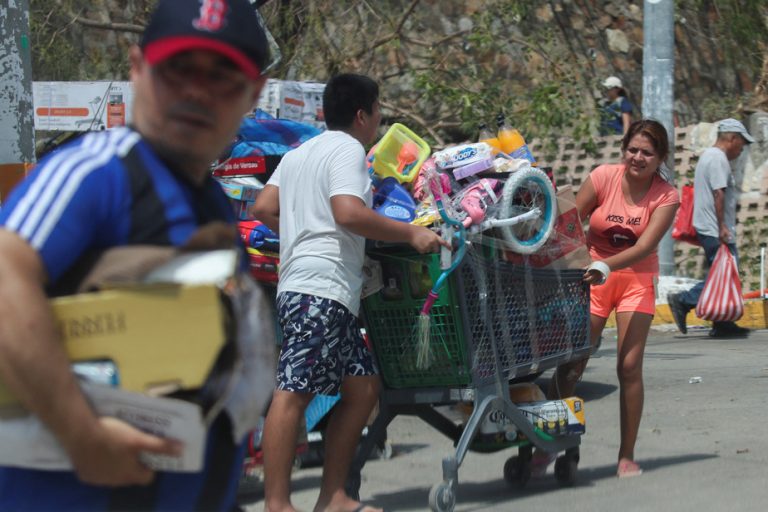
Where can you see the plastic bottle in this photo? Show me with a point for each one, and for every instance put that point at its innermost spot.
(487, 136)
(511, 141)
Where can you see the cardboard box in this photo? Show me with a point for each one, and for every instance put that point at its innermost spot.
(10, 176)
(302, 102)
(242, 193)
(557, 417)
(239, 191)
(566, 247)
(163, 334)
(242, 209)
(27, 443)
(156, 335)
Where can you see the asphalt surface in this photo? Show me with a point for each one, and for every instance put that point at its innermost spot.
(703, 442)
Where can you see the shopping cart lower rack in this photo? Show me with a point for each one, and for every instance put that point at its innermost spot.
(492, 324)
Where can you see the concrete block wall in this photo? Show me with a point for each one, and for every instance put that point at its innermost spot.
(571, 165)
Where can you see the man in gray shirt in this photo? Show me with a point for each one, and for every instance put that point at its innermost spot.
(714, 216)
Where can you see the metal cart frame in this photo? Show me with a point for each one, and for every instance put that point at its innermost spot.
(513, 322)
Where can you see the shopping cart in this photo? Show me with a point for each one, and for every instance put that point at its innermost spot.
(492, 324)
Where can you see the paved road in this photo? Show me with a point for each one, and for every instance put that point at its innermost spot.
(703, 446)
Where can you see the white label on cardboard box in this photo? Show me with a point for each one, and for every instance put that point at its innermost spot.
(26, 442)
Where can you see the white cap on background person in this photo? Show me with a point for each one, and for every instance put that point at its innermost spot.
(611, 82)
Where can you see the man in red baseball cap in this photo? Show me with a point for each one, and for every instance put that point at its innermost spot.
(198, 69)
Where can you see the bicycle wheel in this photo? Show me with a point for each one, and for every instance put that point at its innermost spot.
(524, 191)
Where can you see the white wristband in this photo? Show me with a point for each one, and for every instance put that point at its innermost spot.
(601, 267)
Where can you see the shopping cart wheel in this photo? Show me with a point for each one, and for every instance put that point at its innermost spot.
(442, 498)
(566, 466)
(517, 471)
(523, 191)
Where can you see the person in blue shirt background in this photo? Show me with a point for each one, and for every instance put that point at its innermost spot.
(198, 70)
(616, 110)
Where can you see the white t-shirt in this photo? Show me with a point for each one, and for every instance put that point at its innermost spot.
(317, 256)
(713, 172)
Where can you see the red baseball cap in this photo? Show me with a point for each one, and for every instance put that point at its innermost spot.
(228, 27)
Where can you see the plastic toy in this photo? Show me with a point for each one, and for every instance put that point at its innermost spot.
(389, 154)
(409, 153)
(258, 236)
(475, 199)
(393, 200)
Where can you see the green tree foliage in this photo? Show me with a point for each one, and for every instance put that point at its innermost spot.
(442, 76)
(445, 66)
(54, 56)
(84, 39)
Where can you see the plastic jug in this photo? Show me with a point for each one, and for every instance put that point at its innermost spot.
(511, 141)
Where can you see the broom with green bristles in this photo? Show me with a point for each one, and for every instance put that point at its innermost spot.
(424, 322)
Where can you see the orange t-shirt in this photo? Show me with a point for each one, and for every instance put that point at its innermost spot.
(615, 225)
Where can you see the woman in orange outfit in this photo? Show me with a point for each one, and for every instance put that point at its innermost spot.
(630, 206)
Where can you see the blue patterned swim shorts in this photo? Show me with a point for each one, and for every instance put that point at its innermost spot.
(322, 345)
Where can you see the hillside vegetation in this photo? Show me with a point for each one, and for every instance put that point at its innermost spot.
(446, 65)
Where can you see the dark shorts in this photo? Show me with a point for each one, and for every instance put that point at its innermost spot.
(322, 345)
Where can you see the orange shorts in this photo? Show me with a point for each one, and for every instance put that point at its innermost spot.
(625, 290)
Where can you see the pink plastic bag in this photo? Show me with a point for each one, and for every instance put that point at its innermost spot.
(721, 299)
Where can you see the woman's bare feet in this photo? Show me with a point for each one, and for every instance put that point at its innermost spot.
(628, 468)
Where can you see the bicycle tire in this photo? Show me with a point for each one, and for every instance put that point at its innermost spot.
(528, 237)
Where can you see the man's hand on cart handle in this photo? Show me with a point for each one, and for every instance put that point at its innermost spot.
(425, 240)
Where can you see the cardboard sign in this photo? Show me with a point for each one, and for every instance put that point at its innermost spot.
(81, 106)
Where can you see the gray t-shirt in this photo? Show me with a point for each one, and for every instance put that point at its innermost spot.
(713, 172)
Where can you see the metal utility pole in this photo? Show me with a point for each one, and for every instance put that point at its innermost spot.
(17, 132)
(658, 91)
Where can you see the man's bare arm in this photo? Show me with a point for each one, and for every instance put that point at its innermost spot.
(350, 211)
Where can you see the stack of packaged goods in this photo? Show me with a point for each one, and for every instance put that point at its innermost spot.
(473, 178)
(260, 144)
